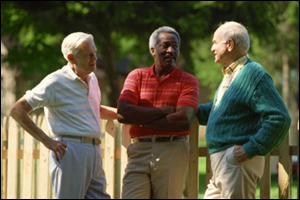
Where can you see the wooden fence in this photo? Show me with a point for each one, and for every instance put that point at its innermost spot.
(24, 162)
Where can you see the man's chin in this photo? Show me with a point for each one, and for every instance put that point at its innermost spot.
(91, 70)
(170, 63)
(94, 68)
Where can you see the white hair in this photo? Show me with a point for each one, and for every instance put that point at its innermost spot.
(163, 29)
(237, 32)
(72, 41)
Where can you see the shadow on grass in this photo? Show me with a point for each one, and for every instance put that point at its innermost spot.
(202, 185)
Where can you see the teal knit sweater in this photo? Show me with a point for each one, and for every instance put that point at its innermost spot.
(251, 113)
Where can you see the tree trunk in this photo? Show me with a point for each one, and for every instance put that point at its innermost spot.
(109, 65)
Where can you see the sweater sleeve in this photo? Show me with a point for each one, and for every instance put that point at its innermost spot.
(203, 113)
(275, 119)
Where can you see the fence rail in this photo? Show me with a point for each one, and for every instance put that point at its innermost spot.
(24, 162)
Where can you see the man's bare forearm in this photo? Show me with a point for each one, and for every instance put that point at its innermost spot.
(180, 120)
(138, 115)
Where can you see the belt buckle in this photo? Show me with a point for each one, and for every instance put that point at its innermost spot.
(82, 139)
(153, 138)
(58, 137)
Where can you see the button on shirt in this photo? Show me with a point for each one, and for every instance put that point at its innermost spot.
(229, 75)
(71, 106)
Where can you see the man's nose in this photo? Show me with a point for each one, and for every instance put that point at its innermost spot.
(95, 57)
(170, 49)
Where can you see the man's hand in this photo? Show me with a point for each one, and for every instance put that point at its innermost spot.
(239, 154)
(57, 147)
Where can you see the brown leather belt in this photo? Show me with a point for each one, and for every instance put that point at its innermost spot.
(95, 141)
(158, 138)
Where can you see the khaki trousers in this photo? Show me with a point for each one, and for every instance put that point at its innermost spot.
(233, 180)
(156, 170)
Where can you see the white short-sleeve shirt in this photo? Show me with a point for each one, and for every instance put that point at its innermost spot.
(71, 106)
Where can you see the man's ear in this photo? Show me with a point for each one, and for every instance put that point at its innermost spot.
(231, 44)
(152, 51)
(70, 58)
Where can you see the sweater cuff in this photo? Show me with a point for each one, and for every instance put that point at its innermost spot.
(249, 150)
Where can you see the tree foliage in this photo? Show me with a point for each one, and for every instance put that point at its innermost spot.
(121, 28)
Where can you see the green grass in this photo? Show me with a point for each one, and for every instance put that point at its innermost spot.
(274, 183)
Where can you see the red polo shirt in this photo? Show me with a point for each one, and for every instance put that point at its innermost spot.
(143, 88)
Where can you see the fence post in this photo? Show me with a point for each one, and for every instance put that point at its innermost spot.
(125, 142)
(109, 156)
(265, 183)
(193, 171)
(118, 160)
(284, 169)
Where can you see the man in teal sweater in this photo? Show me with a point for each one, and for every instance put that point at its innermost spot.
(246, 120)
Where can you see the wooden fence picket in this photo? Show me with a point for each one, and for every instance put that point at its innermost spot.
(25, 167)
(4, 130)
(12, 161)
(43, 180)
(28, 167)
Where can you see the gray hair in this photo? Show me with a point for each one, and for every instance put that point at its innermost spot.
(72, 41)
(237, 32)
(163, 29)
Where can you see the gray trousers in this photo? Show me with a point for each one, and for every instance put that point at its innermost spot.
(156, 170)
(233, 180)
(79, 174)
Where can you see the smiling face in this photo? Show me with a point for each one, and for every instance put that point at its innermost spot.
(220, 48)
(166, 51)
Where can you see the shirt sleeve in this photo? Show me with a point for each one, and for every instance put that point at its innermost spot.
(203, 112)
(190, 93)
(130, 91)
(41, 95)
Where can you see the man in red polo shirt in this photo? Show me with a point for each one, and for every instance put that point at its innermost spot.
(160, 103)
